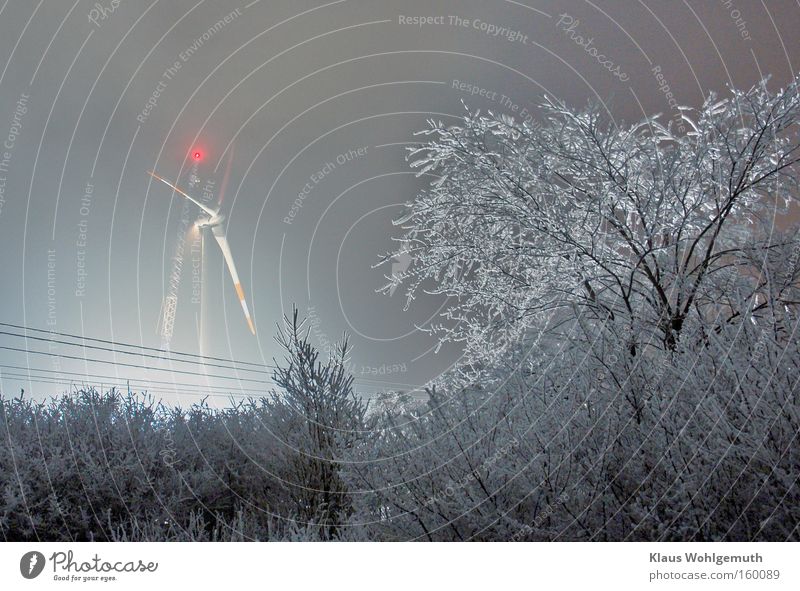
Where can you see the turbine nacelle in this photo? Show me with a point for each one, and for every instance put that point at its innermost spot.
(210, 222)
(215, 221)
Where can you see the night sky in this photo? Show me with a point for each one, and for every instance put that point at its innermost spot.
(313, 104)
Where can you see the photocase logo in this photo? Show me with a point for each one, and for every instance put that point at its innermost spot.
(31, 564)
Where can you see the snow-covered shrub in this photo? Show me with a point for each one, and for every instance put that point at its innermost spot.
(112, 466)
(629, 309)
(694, 444)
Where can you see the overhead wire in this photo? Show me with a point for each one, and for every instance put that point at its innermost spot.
(112, 378)
(134, 353)
(164, 356)
(134, 365)
(122, 344)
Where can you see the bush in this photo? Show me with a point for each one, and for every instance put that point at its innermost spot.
(110, 466)
(697, 444)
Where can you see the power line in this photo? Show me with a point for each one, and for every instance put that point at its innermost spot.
(264, 367)
(118, 385)
(114, 382)
(144, 367)
(148, 356)
(121, 344)
(107, 377)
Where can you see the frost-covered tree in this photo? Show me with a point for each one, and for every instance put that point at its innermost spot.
(628, 298)
(694, 444)
(635, 231)
(317, 417)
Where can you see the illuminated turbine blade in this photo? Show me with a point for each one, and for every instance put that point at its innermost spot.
(218, 230)
(205, 208)
(219, 234)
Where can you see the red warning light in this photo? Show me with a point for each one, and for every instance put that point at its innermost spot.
(197, 155)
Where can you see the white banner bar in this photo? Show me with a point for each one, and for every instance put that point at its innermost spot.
(372, 567)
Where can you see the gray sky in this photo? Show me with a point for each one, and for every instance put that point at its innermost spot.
(316, 99)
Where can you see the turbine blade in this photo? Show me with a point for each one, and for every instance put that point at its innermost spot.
(205, 208)
(219, 234)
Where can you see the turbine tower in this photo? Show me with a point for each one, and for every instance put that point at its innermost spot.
(215, 223)
(169, 307)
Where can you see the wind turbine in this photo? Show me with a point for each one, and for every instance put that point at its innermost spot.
(214, 222)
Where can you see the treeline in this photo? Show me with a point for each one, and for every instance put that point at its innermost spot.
(696, 445)
(118, 466)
